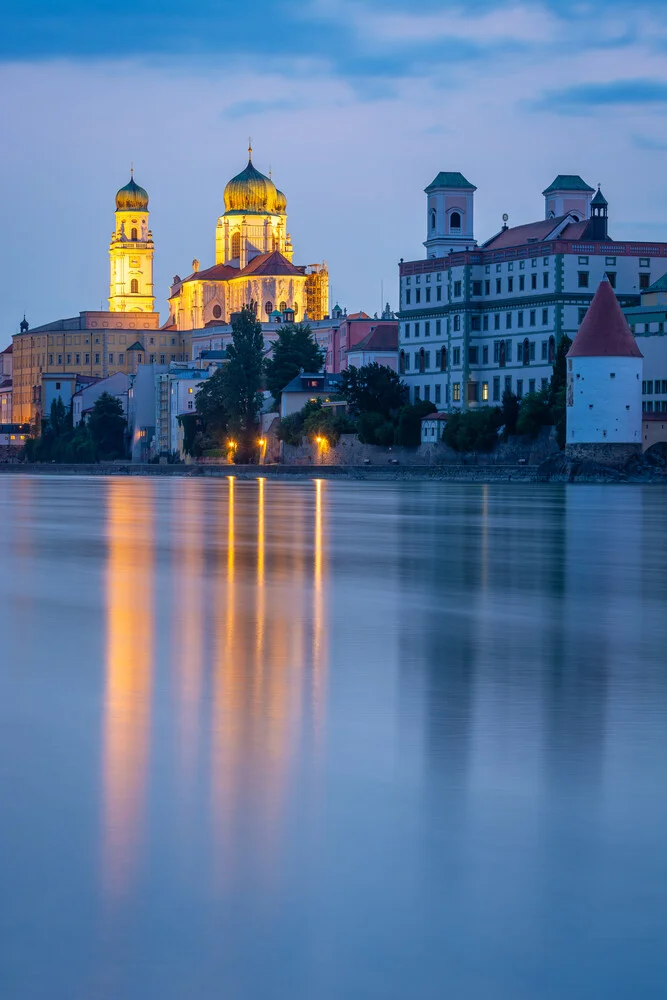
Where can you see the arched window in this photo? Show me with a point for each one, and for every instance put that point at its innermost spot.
(443, 359)
(433, 219)
(526, 352)
(422, 366)
(134, 234)
(502, 354)
(455, 220)
(268, 308)
(552, 350)
(401, 363)
(134, 286)
(236, 245)
(283, 306)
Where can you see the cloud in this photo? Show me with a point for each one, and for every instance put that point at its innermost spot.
(246, 109)
(649, 143)
(585, 98)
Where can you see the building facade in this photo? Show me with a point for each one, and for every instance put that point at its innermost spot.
(477, 320)
(253, 262)
(648, 322)
(99, 343)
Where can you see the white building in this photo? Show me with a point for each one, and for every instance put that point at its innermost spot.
(476, 320)
(84, 399)
(604, 378)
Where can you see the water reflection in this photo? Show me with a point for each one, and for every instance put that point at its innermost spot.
(129, 663)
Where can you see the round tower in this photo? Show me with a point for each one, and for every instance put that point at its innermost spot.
(131, 253)
(604, 382)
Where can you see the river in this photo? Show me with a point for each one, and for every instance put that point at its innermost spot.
(324, 739)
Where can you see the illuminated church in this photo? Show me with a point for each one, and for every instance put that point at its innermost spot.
(253, 262)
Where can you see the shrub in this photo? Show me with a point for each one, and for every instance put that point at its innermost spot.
(475, 430)
(409, 427)
(374, 428)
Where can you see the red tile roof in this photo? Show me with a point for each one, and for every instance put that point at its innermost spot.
(381, 338)
(604, 332)
(8, 350)
(268, 263)
(359, 315)
(535, 232)
(219, 272)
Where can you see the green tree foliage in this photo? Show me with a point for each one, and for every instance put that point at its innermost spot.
(473, 430)
(107, 427)
(210, 403)
(374, 428)
(409, 424)
(510, 412)
(557, 391)
(312, 421)
(534, 413)
(242, 381)
(293, 351)
(374, 389)
(59, 441)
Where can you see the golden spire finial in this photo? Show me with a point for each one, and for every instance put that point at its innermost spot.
(250, 148)
(132, 169)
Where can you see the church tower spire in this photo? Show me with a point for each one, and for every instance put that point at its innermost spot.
(131, 252)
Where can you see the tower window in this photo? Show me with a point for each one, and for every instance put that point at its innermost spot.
(134, 286)
(433, 219)
(236, 245)
(134, 234)
(455, 220)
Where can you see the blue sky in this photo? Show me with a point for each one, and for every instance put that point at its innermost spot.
(355, 104)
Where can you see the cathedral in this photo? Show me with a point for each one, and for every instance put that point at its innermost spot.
(253, 262)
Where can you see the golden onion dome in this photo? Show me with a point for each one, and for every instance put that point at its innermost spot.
(251, 191)
(132, 198)
(281, 202)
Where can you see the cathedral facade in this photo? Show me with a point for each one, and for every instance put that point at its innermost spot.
(253, 263)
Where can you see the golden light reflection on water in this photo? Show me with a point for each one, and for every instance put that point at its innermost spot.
(188, 625)
(262, 652)
(129, 657)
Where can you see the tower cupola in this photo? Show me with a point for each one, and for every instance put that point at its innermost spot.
(597, 226)
(132, 198)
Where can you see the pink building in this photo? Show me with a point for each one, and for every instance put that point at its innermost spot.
(349, 333)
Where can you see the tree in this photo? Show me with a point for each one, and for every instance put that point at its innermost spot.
(534, 413)
(510, 411)
(474, 430)
(374, 428)
(294, 350)
(409, 427)
(242, 380)
(559, 376)
(374, 389)
(210, 403)
(107, 427)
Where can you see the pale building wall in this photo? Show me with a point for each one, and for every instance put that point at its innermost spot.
(604, 402)
(131, 260)
(654, 430)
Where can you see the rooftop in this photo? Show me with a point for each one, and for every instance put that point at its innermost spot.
(604, 332)
(537, 232)
(446, 179)
(381, 338)
(568, 182)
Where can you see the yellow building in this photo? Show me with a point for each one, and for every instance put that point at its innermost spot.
(101, 343)
(131, 253)
(253, 262)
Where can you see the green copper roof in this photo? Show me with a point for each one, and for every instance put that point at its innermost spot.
(450, 180)
(660, 285)
(599, 198)
(568, 182)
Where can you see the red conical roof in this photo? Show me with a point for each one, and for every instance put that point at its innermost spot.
(604, 332)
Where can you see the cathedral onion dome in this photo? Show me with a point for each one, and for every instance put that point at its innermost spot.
(281, 202)
(251, 191)
(132, 198)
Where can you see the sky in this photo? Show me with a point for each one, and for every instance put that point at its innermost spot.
(355, 105)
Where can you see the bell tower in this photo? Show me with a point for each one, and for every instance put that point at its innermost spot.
(131, 253)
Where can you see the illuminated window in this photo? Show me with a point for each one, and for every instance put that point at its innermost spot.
(456, 392)
(190, 389)
(236, 245)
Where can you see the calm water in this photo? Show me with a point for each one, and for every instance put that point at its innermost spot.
(332, 740)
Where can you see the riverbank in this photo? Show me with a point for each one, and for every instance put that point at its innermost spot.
(560, 471)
